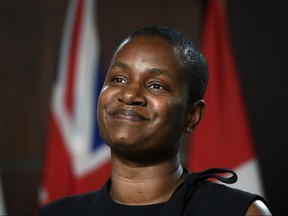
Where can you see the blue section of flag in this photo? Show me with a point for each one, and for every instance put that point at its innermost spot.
(97, 141)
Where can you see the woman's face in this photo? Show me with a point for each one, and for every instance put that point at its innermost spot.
(142, 107)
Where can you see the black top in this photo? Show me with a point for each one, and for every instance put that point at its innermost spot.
(195, 196)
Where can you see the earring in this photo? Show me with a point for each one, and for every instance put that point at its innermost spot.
(188, 130)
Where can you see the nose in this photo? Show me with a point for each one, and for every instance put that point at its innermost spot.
(132, 94)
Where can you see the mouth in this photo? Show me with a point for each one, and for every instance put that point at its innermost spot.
(128, 115)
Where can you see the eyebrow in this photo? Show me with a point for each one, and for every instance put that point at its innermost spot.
(121, 65)
(160, 71)
(154, 71)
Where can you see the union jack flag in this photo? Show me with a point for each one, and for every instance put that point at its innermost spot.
(76, 159)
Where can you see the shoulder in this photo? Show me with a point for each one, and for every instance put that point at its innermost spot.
(213, 198)
(71, 205)
(258, 207)
(209, 198)
(246, 202)
(216, 190)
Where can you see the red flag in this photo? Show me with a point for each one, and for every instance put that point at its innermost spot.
(223, 138)
(76, 160)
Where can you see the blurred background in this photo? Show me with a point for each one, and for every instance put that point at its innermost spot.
(30, 34)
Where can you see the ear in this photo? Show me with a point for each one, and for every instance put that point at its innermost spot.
(195, 114)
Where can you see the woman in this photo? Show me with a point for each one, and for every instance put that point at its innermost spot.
(152, 95)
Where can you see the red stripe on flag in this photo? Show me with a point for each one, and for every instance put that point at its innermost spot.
(223, 138)
(73, 57)
(57, 177)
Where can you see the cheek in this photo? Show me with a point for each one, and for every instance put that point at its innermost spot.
(170, 108)
(105, 97)
(103, 101)
(100, 114)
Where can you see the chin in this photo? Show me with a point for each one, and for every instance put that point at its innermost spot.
(123, 144)
(140, 154)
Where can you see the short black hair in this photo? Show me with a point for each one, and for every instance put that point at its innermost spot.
(194, 63)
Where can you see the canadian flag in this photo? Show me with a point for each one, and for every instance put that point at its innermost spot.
(76, 159)
(223, 138)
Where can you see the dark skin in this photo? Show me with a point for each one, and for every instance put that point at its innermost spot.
(143, 113)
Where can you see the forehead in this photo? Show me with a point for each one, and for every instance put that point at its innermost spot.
(146, 39)
(151, 50)
(141, 42)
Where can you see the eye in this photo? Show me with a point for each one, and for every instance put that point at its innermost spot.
(156, 86)
(119, 80)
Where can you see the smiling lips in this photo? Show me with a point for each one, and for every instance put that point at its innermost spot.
(129, 115)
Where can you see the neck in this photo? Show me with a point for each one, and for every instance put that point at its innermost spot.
(138, 184)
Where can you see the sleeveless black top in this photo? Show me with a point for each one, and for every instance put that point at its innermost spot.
(195, 196)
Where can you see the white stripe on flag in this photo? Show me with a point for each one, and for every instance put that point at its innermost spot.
(78, 132)
(248, 177)
(85, 95)
(58, 106)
